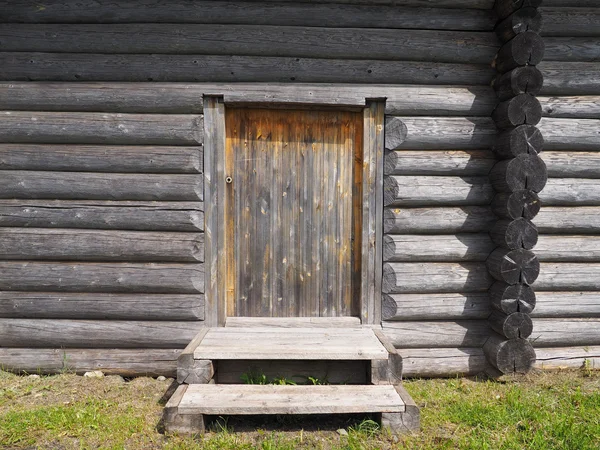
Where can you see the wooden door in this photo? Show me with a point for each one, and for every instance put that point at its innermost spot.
(292, 211)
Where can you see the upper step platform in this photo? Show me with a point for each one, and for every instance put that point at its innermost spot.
(293, 343)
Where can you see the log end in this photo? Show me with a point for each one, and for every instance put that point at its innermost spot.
(395, 132)
(389, 307)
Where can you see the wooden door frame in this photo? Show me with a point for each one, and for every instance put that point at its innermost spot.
(215, 263)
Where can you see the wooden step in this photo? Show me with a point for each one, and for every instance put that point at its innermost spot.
(267, 343)
(185, 410)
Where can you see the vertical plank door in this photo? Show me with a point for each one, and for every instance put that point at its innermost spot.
(292, 210)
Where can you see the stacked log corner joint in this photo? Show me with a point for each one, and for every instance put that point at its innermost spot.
(517, 177)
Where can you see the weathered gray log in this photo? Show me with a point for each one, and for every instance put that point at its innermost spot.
(386, 371)
(114, 361)
(417, 133)
(570, 134)
(405, 422)
(580, 21)
(574, 107)
(437, 334)
(466, 219)
(568, 248)
(566, 332)
(521, 80)
(414, 278)
(447, 247)
(572, 49)
(194, 68)
(513, 205)
(560, 358)
(443, 362)
(96, 245)
(28, 184)
(515, 325)
(524, 49)
(102, 277)
(514, 234)
(511, 299)
(524, 139)
(513, 266)
(182, 98)
(255, 13)
(53, 305)
(509, 356)
(469, 4)
(504, 8)
(559, 80)
(561, 220)
(174, 422)
(571, 192)
(561, 276)
(524, 109)
(567, 304)
(424, 191)
(450, 306)
(193, 371)
(465, 47)
(520, 21)
(105, 158)
(450, 162)
(97, 128)
(522, 172)
(142, 216)
(96, 333)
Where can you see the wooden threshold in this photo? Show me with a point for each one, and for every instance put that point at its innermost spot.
(213, 399)
(268, 343)
(293, 322)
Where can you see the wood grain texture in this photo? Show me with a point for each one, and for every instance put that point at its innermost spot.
(443, 362)
(442, 248)
(571, 106)
(572, 164)
(565, 332)
(109, 215)
(450, 306)
(558, 79)
(571, 192)
(102, 277)
(437, 334)
(570, 134)
(251, 40)
(76, 305)
(28, 184)
(568, 219)
(559, 358)
(96, 333)
(414, 278)
(568, 277)
(125, 362)
(101, 158)
(573, 49)
(576, 304)
(572, 21)
(216, 68)
(438, 220)
(347, 14)
(96, 245)
(451, 162)
(97, 128)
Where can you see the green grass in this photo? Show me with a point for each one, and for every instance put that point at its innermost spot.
(542, 411)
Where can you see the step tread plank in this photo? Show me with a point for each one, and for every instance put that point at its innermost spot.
(214, 399)
(290, 343)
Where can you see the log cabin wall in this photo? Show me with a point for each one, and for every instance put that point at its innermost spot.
(100, 154)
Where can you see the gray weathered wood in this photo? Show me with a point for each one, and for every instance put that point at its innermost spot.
(516, 325)
(558, 219)
(526, 171)
(514, 234)
(450, 306)
(443, 362)
(294, 322)
(524, 19)
(436, 220)
(571, 192)
(568, 248)
(194, 68)
(405, 422)
(219, 399)
(66, 305)
(97, 128)
(414, 278)
(574, 49)
(510, 299)
(581, 20)
(523, 109)
(509, 356)
(559, 80)
(113, 215)
(513, 266)
(560, 358)
(96, 245)
(96, 333)
(437, 334)
(451, 162)
(565, 332)
(102, 277)
(183, 98)
(570, 134)
(521, 80)
(390, 371)
(113, 361)
(105, 158)
(255, 13)
(190, 370)
(572, 164)
(504, 8)
(447, 247)
(574, 106)
(464, 47)
(514, 205)
(558, 305)
(568, 277)
(181, 423)
(436, 191)
(29, 184)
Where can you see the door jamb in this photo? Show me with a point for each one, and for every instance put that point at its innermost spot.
(214, 211)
